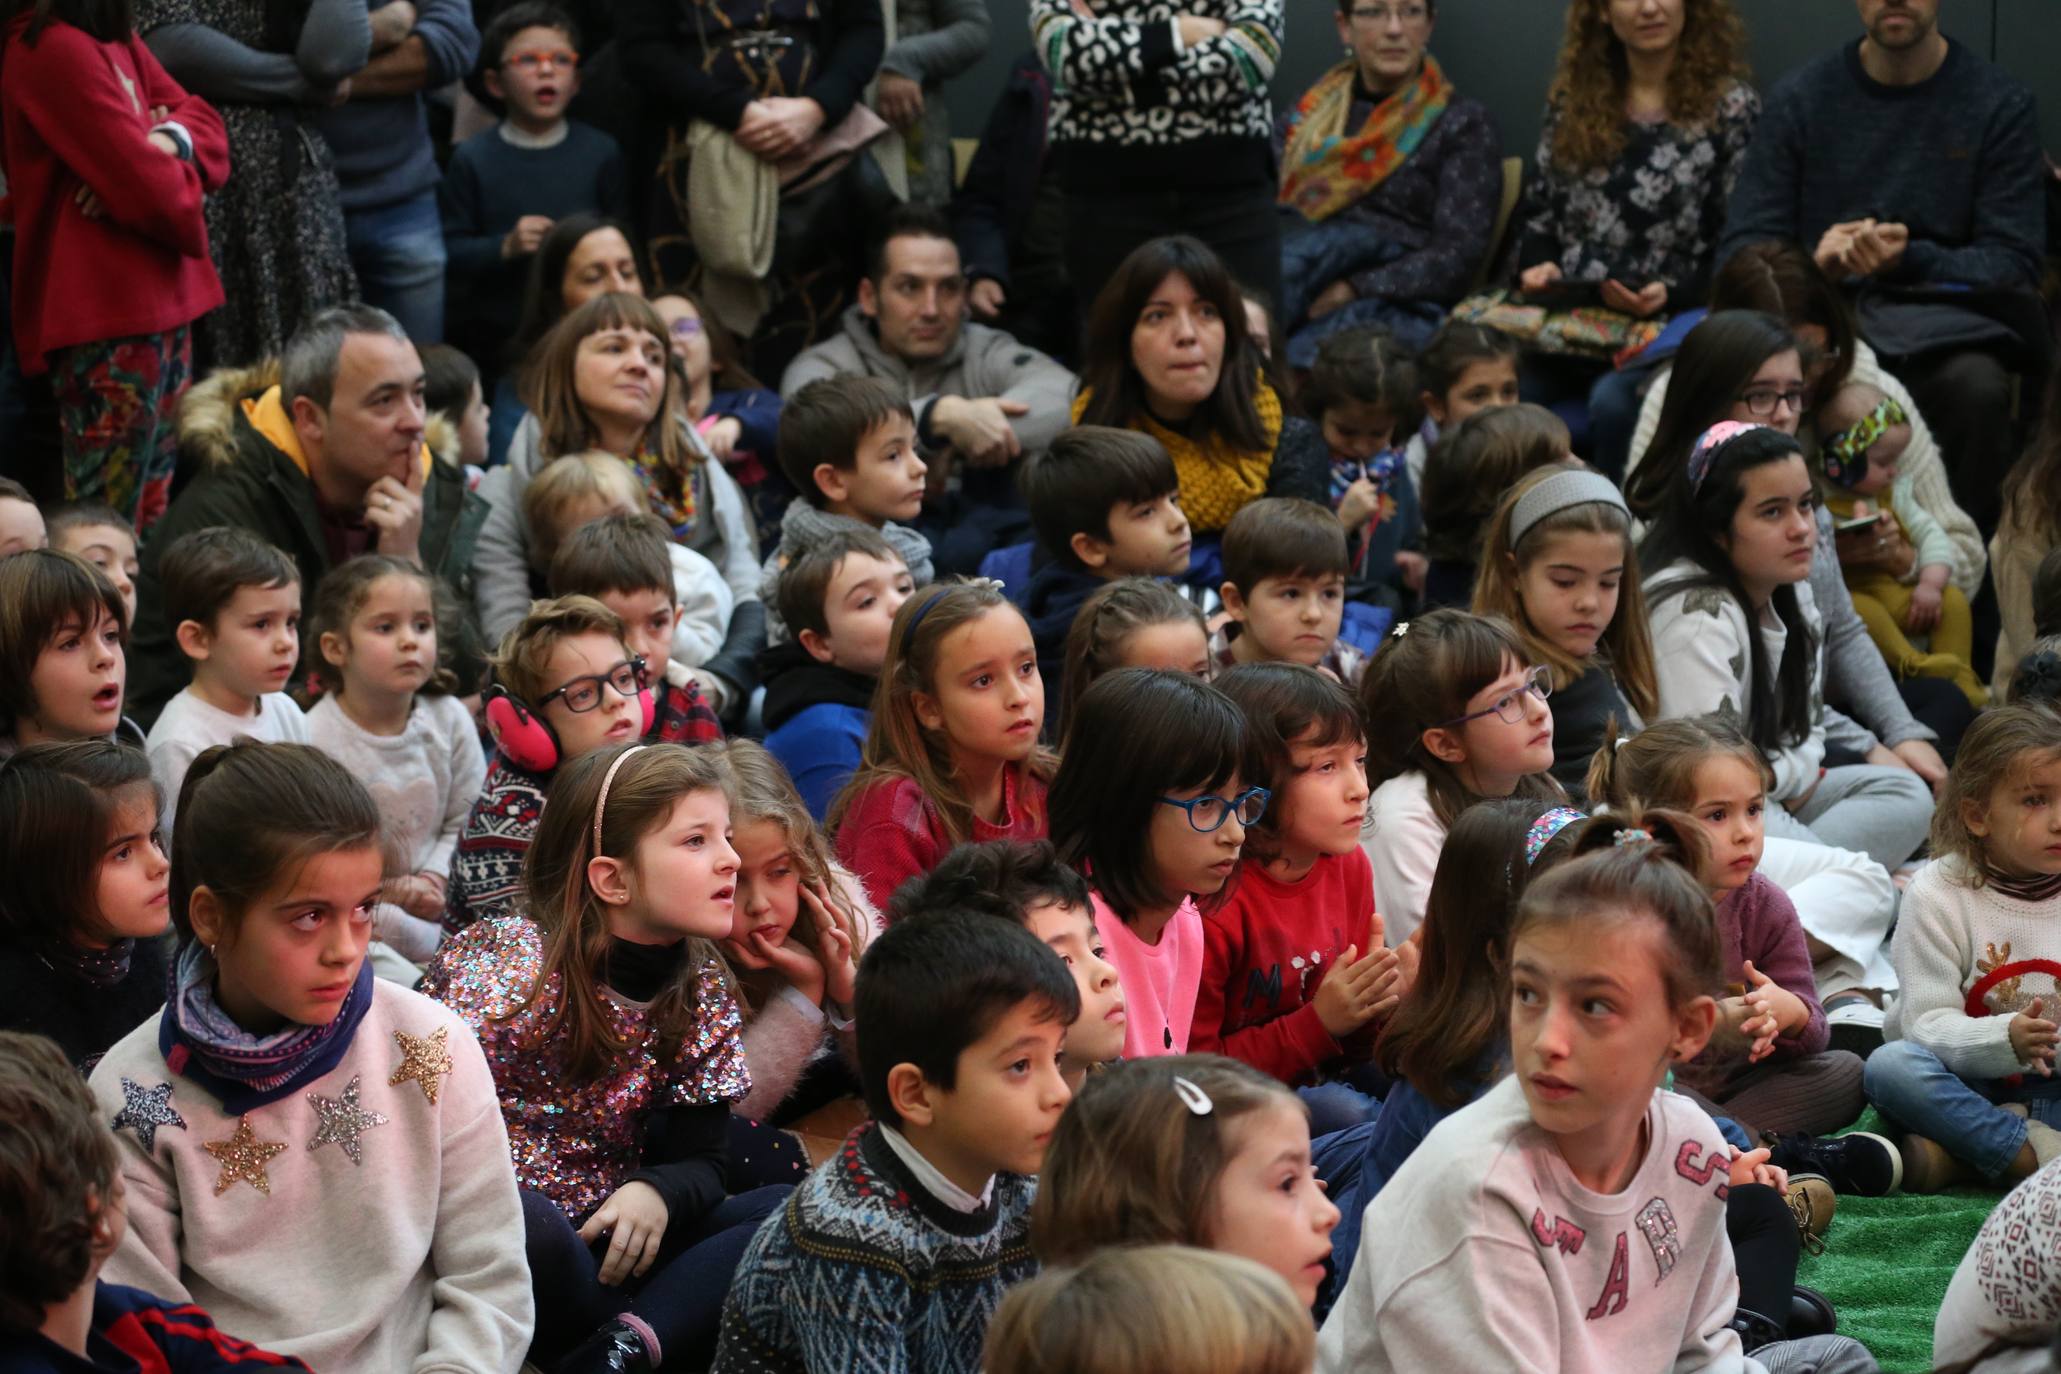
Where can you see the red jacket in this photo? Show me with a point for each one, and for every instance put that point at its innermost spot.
(891, 833)
(76, 112)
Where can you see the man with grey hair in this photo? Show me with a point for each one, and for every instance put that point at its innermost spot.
(320, 453)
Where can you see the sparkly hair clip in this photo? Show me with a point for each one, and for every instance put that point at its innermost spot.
(1708, 443)
(608, 781)
(1545, 828)
(1193, 1097)
(1845, 454)
(1632, 835)
(1402, 627)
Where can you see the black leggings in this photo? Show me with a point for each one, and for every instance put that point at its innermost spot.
(1764, 1249)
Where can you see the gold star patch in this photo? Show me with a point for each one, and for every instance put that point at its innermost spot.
(424, 1059)
(243, 1157)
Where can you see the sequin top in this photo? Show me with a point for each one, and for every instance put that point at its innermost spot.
(577, 1145)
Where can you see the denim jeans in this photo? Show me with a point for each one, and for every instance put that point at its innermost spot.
(398, 251)
(1910, 1085)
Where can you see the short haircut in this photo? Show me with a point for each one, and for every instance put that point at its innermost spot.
(617, 553)
(577, 478)
(201, 572)
(801, 596)
(526, 14)
(57, 1164)
(931, 987)
(905, 221)
(827, 420)
(1282, 536)
(308, 363)
(41, 592)
(79, 515)
(525, 654)
(1283, 703)
(1002, 878)
(11, 490)
(1087, 472)
(448, 377)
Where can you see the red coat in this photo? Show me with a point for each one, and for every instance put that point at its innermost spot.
(76, 112)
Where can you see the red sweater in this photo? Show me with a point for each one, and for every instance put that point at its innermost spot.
(891, 832)
(1265, 953)
(75, 112)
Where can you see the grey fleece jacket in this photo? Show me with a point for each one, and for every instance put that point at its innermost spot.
(804, 524)
(335, 41)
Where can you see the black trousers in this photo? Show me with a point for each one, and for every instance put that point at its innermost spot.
(1240, 223)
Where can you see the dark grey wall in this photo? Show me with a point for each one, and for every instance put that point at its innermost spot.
(1501, 51)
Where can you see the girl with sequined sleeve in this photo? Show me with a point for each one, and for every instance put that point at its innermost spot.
(613, 1033)
(310, 1153)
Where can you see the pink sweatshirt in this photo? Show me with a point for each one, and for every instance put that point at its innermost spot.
(1159, 981)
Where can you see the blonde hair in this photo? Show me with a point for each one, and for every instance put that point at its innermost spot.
(525, 654)
(566, 483)
(1152, 1309)
(2002, 746)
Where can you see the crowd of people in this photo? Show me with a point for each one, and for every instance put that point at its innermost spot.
(1189, 747)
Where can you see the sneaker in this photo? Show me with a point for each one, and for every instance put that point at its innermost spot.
(1858, 1164)
(1928, 1168)
(1812, 1202)
(1856, 1024)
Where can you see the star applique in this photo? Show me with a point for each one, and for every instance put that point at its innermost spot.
(424, 1059)
(146, 1109)
(243, 1158)
(341, 1121)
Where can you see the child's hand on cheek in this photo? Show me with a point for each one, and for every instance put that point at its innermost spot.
(791, 961)
(837, 944)
(634, 1220)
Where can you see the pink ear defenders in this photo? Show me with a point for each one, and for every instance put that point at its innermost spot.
(527, 740)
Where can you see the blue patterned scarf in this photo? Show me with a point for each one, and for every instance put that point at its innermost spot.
(200, 1041)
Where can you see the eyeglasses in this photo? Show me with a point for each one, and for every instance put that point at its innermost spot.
(1510, 708)
(686, 327)
(583, 694)
(1379, 15)
(1761, 401)
(530, 61)
(1207, 814)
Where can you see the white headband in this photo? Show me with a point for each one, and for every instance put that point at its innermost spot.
(1573, 487)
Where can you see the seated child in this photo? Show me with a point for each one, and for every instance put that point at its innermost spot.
(627, 563)
(1362, 392)
(894, 1253)
(452, 395)
(99, 535)
(737, 418)
(61, 1190)
(566, 684)
(838, 599)
(234, 604)
(1284, 589)
(1998, 1313)
(1906, 585)
(64, 637)
(21, 521)
(848, 444)
(1136, 622)
(1476, 461)
(1466, 368)
(1106, 504)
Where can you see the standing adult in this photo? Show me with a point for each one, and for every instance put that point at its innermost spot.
(935, 40)
(1904, 161)
(1163, 125)
(276, 226)
(1406, 170)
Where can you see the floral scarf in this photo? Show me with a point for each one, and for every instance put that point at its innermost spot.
(1324, 168)
(1217, 481)
(671, 494)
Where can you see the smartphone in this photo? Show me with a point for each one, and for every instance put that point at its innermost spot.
(1859, 522)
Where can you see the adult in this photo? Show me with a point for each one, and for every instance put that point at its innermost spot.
(320, 454)
(276, 227)
(1162, 125)
(1646, 126)
(982, 399)
(1009, 217)
(1169, 354)
(1900, 162)
(386, 166)
(1407, 171)
(935, 40)
(601, 380)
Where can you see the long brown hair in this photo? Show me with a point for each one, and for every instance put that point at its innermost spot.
(2003, 744)
(2032, 491)
(550, 390)
(1590, 84)
(1105, 623)
(1781, 280)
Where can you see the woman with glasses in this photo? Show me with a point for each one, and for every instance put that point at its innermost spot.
(1397, 174)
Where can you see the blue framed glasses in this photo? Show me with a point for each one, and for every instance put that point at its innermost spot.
(1208, 813)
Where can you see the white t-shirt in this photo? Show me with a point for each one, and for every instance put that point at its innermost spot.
(188, 726)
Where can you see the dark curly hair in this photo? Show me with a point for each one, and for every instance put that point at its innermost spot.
(57, 1172)
(1589, 86)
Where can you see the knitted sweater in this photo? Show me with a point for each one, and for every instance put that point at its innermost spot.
(1160, 982)
(1758, 923)
(805, 525)
(864, 1272)
(2006, 1292)
(1402, 841)
(135, 1333)
(2014, 559)
(486, 869)
(891, 833)
(1948, 935)
(1486, 1222)
(1265, 954)
(366, 1222)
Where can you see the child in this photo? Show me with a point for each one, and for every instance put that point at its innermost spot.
(839, 600)
(848, 444)
(894, 1254)
(1106, 505)
(1560, 567)
(737, 418)
(387, 714)
(608, 1021)
(98, 534)
(1476, 462)
(452, 394)
(108, 161)
(1186, 1150)
(287, 1103)
(82, 896)
(1361, 392)
(64, 636)
(1293, 965)
(1148, 804)
(627, 563)
(61, 1190)
(21, 522)
(1172, 1309)
(1972, 1040)
(1997, 1315)
(1284, 589)
(1907, 586)
(952, 751)
(1455, 713)
(566, 684)
(1465, 369)
(1133, 623)
(1529, 1199)
(506, 186)
(234, 603)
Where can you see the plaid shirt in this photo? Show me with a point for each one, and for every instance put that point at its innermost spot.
(681, 715)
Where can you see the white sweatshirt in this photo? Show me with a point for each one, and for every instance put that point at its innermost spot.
(1402, 838)
(188, 727)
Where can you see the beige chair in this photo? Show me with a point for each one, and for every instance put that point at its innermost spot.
(1513, 190)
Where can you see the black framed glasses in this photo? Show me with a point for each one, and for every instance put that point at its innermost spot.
(583, 694)
(1207, 814)
(1510, 707)
(1761, 402)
